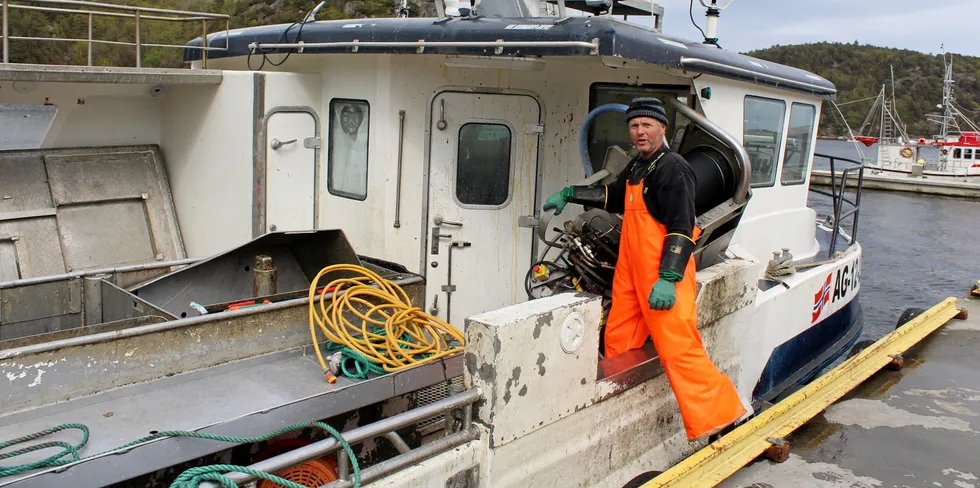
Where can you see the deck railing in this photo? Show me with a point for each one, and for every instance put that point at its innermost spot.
(838, 192)
(94, 9)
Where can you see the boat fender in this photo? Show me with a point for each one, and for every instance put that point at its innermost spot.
(975, 290)
(642, 479)
(907, 315)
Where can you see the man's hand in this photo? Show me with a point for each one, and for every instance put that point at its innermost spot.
(558, 200)
(662, 295)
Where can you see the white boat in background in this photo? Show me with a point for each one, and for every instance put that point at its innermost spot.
(948, 164)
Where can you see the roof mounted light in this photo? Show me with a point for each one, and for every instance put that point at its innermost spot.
(711, 26)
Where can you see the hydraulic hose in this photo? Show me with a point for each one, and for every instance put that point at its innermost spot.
(583, 135)
(392, 332)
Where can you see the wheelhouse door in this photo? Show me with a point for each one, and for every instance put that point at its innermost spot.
(482, 172)
(290, 171)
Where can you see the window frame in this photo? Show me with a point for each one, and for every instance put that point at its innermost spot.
(808, 157)
(780, 144)
(367, 152)
(510, 170)
(678, 91)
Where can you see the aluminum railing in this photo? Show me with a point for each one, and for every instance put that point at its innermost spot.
(838, 192)
(94, 9)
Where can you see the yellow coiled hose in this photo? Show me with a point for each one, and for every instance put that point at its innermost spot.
(382, 307)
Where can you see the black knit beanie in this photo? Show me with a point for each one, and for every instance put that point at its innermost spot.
(646, 107)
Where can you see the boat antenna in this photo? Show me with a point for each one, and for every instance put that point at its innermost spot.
(312, 15)
(711, 24)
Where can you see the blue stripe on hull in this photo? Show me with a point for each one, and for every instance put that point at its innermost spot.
(799, 358)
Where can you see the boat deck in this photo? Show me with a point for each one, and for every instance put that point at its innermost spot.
(246, 398)
(917, 427)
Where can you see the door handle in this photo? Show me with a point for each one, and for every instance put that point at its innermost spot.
(440, 221)
(434, 247)
(276, 143)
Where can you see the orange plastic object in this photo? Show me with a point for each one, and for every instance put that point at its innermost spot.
(317, 472)
(707, 398)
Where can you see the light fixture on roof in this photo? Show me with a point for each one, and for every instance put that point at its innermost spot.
(711, 25)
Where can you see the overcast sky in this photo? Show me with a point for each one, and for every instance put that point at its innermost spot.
(920, 25)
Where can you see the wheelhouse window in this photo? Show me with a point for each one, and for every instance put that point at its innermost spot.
(801, 121)
(762, 136)
(347, 160)
(968, 154)
(483, 160)
(610, 129)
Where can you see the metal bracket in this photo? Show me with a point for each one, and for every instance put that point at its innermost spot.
(467, 478)
(534, 128)
(311, 143)
(448, 288)
(527, 221)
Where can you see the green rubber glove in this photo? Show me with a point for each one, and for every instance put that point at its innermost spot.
(662, 295)
(558, 200)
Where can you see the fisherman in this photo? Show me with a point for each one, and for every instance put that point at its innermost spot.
(654, 284)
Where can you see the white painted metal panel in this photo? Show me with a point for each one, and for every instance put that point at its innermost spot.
(489, 272)
(290, 172)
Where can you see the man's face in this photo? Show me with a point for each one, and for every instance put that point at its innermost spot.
(647, 134)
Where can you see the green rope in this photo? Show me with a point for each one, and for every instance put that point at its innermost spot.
(185, 480)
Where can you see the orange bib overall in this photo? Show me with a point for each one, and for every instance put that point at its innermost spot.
(707, 398)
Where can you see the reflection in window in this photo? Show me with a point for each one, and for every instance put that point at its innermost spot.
(801, 120)
(348, 148)
(762, 136)
(483, 164)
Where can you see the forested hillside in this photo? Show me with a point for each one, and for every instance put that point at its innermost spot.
(859, 71)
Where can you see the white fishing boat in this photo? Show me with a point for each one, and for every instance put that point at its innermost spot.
(161, 232)
(946, 164)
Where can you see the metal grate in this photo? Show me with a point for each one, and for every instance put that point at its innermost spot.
(432, 394)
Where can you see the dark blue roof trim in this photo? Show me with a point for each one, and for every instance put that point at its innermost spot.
(619, 39)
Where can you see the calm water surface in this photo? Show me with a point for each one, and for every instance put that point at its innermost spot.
(918, 249)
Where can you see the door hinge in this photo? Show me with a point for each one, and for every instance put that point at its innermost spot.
(534, 128)
(311, 143)
(527, 221)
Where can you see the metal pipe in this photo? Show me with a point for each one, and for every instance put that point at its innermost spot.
(357, 435)
(90, 39)
(343, 466)
(139, 55)
(398, 180)
(132, 9)
(397, 441)
(101, 13)
(755, 75)
(98, 271)
(6, 32)
(562, 13)
(115, 43)
(467, 417)
(594, 45)
(741, 156)
(163, 326)
(416, 456)
(204, 44)
(264, 277)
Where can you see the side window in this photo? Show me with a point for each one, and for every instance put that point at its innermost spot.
(762, 136)
(957, 153)
(610, 129)
(483, 158)
(347, 160)
(797, 158)
(968, 154)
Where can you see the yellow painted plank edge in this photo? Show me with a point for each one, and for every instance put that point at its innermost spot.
(721, 459)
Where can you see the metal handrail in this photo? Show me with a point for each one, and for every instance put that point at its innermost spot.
(110, 10)
(837, 193)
